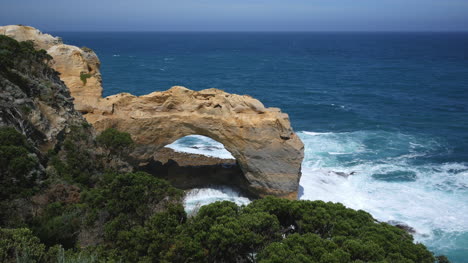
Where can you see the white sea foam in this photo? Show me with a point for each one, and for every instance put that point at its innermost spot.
(434, 201)
(203, 145)
(315, 133)
(198, 197)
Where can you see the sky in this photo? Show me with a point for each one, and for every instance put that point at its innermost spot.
(237, 15)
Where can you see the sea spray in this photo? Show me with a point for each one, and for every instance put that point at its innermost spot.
(195, 198)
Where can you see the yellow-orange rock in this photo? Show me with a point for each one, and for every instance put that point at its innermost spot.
(261, 139)
(78, 67)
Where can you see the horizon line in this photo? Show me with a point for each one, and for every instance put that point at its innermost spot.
(257, 31)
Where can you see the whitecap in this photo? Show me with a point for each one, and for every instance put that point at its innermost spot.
(434, 202)
(198, 197)
(316, 133)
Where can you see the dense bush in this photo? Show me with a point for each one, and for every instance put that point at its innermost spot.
(141, 219)
(77, 163)
(13, 52)
(59, 224)
(278, 230)
(136, 204)
(17, 165)
(114, 141)
(267, 230)
(143, 224)
(19, 243)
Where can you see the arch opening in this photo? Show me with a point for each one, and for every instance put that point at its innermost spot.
(202, 145)
(198, 163)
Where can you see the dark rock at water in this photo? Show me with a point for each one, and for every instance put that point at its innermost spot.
(188, 171)
(342, 174)
(403, 226)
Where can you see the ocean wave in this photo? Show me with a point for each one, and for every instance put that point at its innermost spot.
(387, 182)
(198, 144)
(198, 197)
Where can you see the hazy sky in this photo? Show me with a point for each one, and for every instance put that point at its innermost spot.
(237, 15)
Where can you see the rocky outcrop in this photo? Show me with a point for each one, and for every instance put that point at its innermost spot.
(33, 99)
(27, 33)
(78, 67)
(188, 171)
(261, 139)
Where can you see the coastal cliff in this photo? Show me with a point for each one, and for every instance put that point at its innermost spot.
(66, 195)
(261, 139)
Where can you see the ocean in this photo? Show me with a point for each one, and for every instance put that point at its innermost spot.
(390, 107)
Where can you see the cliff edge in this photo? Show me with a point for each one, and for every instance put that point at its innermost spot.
(261, 139)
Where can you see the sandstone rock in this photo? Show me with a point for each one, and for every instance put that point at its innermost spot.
(79, 70)
(188, 171)
(24, 33)
(40, 105)
(261, 139)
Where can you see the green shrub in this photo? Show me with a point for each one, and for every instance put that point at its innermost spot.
(17, 165)
(77, 161)
(20, 245)
(9, 136)
(84, 77)
(143, 213)
(315, 232)
(114, 141)
(19, 54)
(58, 225)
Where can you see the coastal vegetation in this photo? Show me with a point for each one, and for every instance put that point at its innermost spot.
(84, 77)
(82, 202)
(142, 219)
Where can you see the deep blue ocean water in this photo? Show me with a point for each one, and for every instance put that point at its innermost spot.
(391, 107)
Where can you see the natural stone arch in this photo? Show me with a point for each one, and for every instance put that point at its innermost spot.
(261, 139)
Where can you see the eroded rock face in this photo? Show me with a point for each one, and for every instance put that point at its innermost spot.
(78, 67)
(261, 139)
(35, 101)
(27, 33)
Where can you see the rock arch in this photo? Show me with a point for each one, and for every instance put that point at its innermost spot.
(261, 139)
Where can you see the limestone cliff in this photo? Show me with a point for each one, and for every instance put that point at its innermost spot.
(78, 67)
(33, 99)
(261, 139)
